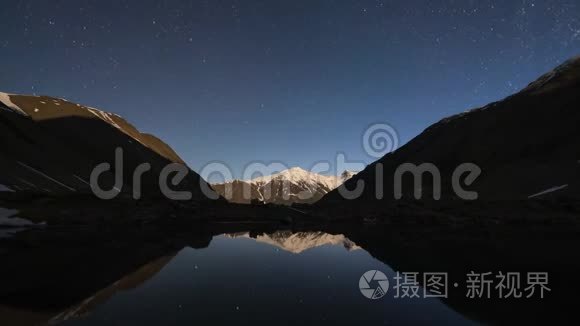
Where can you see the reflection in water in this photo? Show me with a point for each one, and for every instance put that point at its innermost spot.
(300, 241)
(313, 279)
(131, 281)
(266, 276)
(10, 223)
(246, 276)
(286, 240)
(10, 232)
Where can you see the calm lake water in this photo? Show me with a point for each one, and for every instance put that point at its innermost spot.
(277, 278)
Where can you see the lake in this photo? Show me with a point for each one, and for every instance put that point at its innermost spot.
(281, 278)
(228, 273)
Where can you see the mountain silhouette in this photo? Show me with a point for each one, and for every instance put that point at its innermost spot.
(526, 146)
(49, 146)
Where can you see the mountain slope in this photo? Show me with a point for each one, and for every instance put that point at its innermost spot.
(50, 146)
(290, 186)
(526, 144)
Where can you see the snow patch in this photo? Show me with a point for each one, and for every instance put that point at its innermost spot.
(547, 191)
(104, 116)
(10, 225)
(292, 185)
(5, 99)
(7, 220)
(299, 176)
(5, 188)
(107, 117)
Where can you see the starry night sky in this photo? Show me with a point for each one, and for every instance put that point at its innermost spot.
(291, 81)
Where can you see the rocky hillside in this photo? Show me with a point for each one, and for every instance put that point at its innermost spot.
(50, 146)
(526, 146)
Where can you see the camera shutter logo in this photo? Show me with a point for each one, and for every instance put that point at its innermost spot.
(373, 284)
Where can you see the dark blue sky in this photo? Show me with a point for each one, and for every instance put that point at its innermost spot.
(291, 81)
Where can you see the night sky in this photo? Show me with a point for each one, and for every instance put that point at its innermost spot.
(290, 81)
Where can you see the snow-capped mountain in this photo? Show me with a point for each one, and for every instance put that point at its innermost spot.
(50, 146)
(294, 185)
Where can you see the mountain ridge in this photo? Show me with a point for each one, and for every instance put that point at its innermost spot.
(293, 185)
(524, 144)
(55, 144)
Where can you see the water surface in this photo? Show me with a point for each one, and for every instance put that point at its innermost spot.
(277, 278)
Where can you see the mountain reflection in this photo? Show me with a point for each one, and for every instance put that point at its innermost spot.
(76, 281)
(297, 242)
(54, 302)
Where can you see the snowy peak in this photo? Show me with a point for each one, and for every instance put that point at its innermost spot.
(294, 185)
(297, 175)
